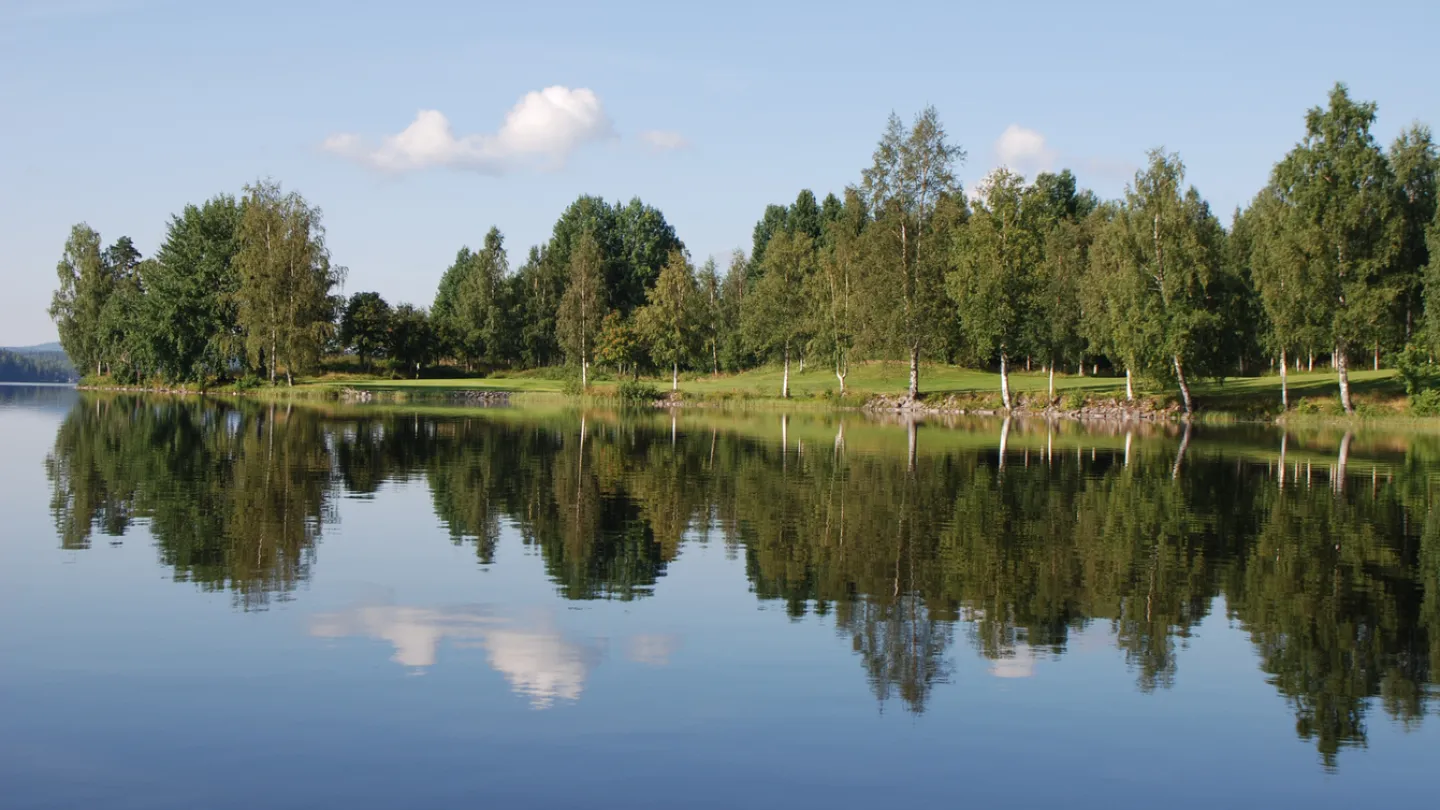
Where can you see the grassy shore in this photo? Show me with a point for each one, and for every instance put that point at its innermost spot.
(1313, 395)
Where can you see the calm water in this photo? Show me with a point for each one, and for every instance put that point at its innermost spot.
(234, 605)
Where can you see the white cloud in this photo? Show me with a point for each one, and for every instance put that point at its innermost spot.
(1024, 151)
(543, 129)
(663, 140)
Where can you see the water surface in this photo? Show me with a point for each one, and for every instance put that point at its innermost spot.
(228, 604)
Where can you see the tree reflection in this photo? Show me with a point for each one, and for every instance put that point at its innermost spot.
(901, 536)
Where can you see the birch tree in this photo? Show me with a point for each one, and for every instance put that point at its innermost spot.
(1168, 250)
(995, 255)
(670, 320)
(911, 174)
(77, 305)
(1339, 207)
(773, 318)
(285, 280)
(835, 284)
(583, 306)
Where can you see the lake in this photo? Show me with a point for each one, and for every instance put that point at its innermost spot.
(231, 604)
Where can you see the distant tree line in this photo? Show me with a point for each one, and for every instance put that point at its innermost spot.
(1329, 262)
(44, 367)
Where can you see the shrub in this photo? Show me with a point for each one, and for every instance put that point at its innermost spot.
(1416, 371)
(572, 387)
(1073, 402)
(634, 392)
(247, 383)
(1425, 403)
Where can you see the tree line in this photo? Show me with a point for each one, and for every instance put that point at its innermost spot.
(1331, 261)
(39, 367)
(1328, 569)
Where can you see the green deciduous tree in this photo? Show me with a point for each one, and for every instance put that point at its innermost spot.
(1339, 206)
(285, 280)
(993, 282)
(76, 307)
(190, 294)
(911, 178)
(1415, 162)
(773, 318)
(834, 287)
(365, 326)
(671, 320)
(1165, 252)
(411, 339)
(584, 305)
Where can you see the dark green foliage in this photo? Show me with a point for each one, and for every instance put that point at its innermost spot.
(365, 326)
(634, 392)
(411, 340)
(1416, 372)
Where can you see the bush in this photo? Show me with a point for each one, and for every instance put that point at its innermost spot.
(1425, 403)
(247, 383)
(1416, 371)
(1073, 402)
(572, 387)
(634, 392)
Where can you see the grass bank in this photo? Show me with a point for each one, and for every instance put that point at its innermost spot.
(1314, 396)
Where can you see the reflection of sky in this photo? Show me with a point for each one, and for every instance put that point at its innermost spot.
(536, 658)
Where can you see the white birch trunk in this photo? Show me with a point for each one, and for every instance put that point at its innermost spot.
(1342, 369)
(1284, 384)
(1129, 385)
(1184, 386)
(915, 371)
(785, 381)
(675, 377)
(1004, 381)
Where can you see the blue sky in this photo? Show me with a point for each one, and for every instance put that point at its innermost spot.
(119, 112)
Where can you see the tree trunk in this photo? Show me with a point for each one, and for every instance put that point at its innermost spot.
(1180, 454)
(675, 377)
(1377, 355)
(1129, 386)
(1184, 386)
(1005, 380)
(1004, 439)
(1311, 365)
(1342, 369)
(914, 371)
(1081, 366)
(785, 381)
(584, 374)
(715, 356)
(1052, 381)
(1284, 384)
(840, 374)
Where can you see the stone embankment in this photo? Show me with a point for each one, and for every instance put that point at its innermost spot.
(473, 398)
(1112, 410)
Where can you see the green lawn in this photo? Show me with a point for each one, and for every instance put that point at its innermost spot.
(1238, 394)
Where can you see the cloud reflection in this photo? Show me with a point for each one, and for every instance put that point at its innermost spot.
(537, 659)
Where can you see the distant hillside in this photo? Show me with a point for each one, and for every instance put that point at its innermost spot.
(43, 348)
(38, 366)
